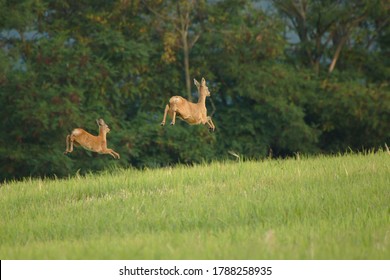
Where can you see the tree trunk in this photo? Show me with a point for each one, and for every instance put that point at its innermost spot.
(186, 53)
(337, 53)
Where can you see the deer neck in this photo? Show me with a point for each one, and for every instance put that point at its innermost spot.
(202, 98)
(102, 134)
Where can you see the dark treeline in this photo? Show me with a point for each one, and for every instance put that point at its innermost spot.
(285, 76)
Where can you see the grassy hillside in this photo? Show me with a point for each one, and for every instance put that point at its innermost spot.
(312, 208)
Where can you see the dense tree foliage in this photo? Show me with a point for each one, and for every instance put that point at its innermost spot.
(285, 76)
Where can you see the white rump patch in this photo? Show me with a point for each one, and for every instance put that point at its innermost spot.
(77, 132)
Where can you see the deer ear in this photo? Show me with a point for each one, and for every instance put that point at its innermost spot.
(203, 82)
(196, 83)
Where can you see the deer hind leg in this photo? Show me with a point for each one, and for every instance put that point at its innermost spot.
(67, 145)
(165, 115)
(173, 118)
(70, 140)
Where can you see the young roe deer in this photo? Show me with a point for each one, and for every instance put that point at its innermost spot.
(192, 113)
(90, 142)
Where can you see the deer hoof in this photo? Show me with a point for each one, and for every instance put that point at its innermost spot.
(162, 123)
(172, 123)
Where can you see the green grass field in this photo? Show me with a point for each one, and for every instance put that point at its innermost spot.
(309, 208)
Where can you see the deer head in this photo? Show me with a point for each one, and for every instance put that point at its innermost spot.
(202, 88)
(103, 125)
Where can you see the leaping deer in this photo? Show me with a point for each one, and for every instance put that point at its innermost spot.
(90, 142)
(191, 113)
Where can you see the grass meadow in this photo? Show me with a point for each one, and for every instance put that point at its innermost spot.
(326, 207)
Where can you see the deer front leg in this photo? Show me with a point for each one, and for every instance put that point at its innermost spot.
(112, 153)
(115, 154)
(210, 124)
(165, 115)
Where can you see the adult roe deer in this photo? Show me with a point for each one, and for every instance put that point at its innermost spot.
(90, 142)
(191, 113)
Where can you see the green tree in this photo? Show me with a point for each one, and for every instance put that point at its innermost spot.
(325, 28)
(182, 21)
(75, 69)
(260, 99)
(65, 63)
